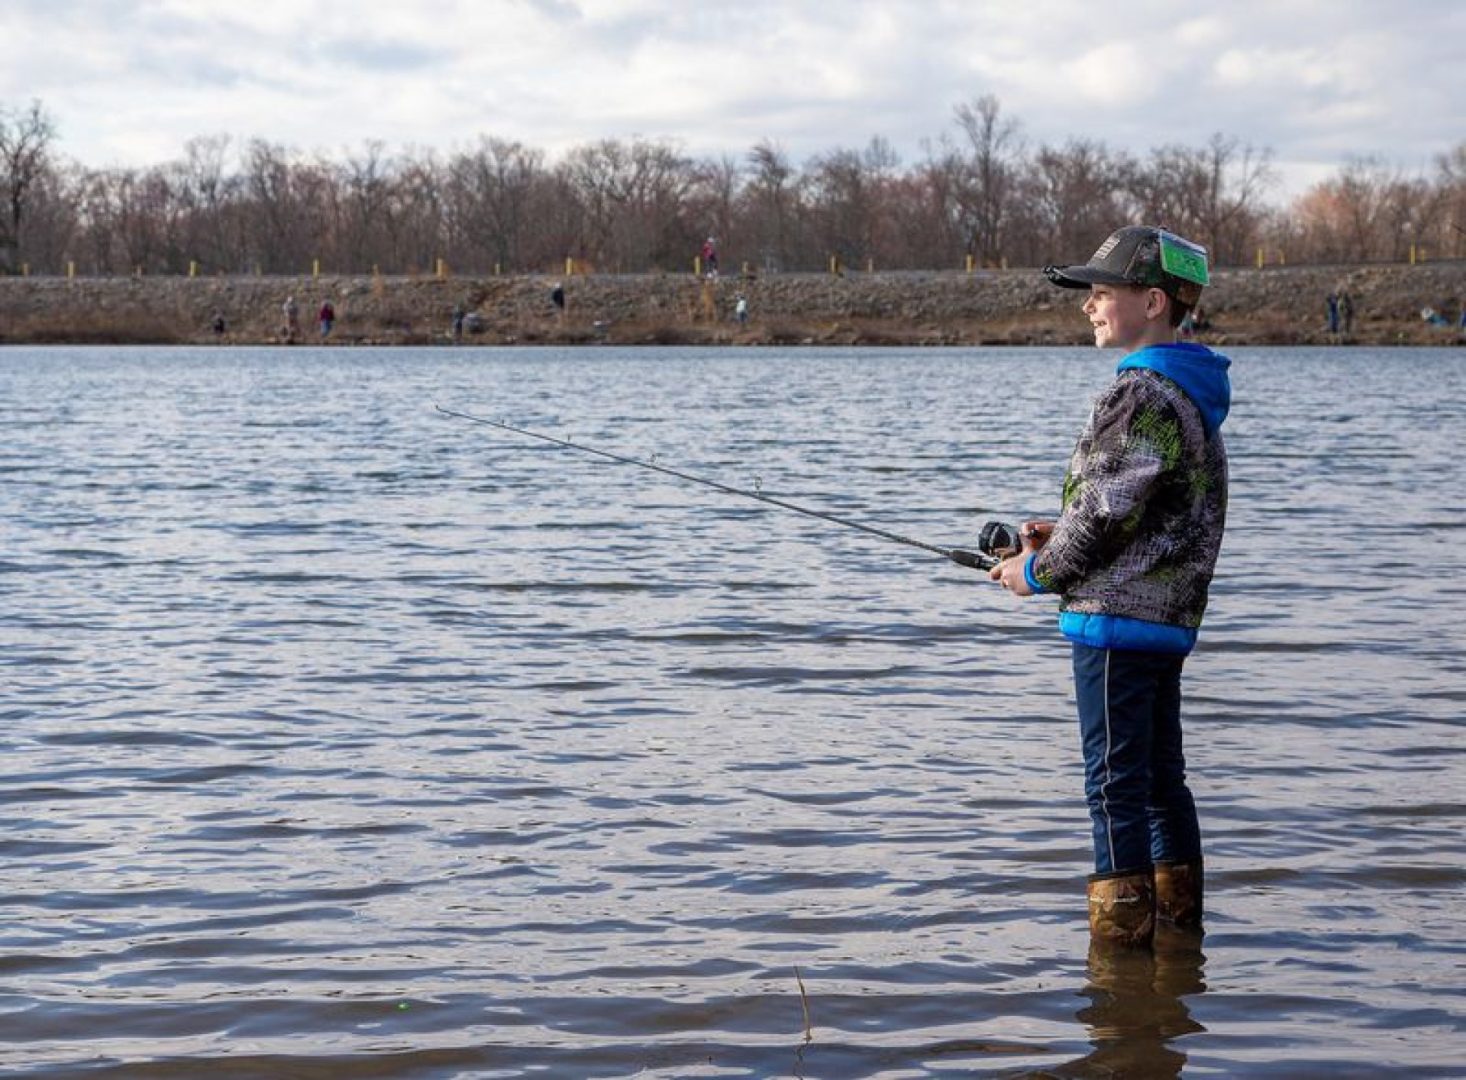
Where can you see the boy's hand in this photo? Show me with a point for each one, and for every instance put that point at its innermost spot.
(1009, 572)
(1035, 534)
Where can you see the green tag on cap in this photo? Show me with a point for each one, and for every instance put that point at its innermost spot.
(1183, 259)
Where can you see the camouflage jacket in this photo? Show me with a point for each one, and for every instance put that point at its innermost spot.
(1144, 505)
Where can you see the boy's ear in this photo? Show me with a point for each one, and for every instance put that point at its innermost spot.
(1155, 303)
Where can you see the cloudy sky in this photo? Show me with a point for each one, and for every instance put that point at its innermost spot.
(1315, 82)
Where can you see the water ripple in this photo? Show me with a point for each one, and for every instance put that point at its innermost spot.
(345, 740)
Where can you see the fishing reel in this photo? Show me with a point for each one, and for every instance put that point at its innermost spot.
(999, 540)
(995, 542)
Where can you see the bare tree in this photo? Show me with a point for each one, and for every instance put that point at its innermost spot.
(25, 142)
(713, 203)
(276, 218)
(1212, 193)
(1363, 191)
(633, 196)
(1077, 198)
(492, 194)
(1451, 179)
(931, 221)
(412, 227)
(209, 194)
(770, 196)
(363, 213)
(840, 205)
(1238, 177)
(634, 205)
(989, 165)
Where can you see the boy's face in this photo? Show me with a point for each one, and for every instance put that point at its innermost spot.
(1124, 316)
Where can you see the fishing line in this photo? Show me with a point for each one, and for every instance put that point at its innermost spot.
(974, 559)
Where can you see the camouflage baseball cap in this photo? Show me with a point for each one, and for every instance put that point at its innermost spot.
(1141, 255)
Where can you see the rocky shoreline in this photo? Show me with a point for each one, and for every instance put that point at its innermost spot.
(1274, 305)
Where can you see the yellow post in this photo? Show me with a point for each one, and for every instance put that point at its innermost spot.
(834, 264)
(697, 266)
(569, 267)
(442, 269)
(498, 269)
(970, 262)
(193, 268)
(315, 268)
(70, 269)
(870, 264)
(1412, 254)
(1282, 257)
(1259, 258)
(25, 269)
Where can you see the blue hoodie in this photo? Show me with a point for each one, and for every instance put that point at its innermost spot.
(1195, 369)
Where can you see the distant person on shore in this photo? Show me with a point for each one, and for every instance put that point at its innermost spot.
(1331, 303)
(740, 310)
(327, 318)
(557, 298)
(292, 319)
(1346, 313)
(1131, 558)
(458, 316)
(218, 324)
(710, 257)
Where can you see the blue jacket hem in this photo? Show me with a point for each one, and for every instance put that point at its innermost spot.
(1129, 635)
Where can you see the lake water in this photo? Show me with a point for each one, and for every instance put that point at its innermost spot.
(343, 739)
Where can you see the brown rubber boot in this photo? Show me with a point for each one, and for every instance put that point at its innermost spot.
(1122, 909)
(1178, 894)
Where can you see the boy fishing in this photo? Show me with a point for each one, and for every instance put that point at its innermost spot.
(1131, 557)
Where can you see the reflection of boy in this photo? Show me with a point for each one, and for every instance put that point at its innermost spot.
(1131, 557)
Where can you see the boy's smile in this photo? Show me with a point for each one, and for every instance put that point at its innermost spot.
(1123, 317)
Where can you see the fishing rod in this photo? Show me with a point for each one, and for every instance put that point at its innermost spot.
(977, 560)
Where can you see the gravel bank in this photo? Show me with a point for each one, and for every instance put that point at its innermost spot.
(1283, 305)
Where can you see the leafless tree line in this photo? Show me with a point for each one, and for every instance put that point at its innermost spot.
(980, 195)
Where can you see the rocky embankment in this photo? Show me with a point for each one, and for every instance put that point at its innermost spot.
(1282, 305)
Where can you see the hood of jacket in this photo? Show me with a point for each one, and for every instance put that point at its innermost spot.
(1201, 373)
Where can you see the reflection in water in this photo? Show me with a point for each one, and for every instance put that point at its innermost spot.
(1137, 1008)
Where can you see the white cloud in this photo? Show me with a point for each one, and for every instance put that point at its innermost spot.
(1117, 73)
(132, 82)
